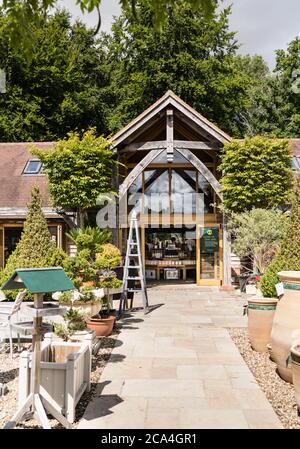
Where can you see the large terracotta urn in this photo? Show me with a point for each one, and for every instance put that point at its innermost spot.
(260, 319)
(286, 323)
(295, 359)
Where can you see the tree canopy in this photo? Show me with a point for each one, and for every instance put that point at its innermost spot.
(193, 55)
(59, 89)
(78, 169)
(25, 15)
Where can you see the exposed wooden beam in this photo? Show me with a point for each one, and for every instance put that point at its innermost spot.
(137, 171)
(162, 144)
(170, 134)
(208, 175)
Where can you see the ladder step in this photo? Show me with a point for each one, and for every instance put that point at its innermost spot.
(133, 255)
(133, 244)
(134, 278)
(136, 267)
(131, 290)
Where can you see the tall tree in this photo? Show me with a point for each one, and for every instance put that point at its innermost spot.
(288, 73)
(193, 55)
(58, 90)
(24, 15)
(79, 170)
(262, 113)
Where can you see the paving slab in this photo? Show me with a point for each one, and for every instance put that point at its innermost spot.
(178, 368)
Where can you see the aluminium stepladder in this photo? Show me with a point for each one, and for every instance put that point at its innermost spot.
(133, 253)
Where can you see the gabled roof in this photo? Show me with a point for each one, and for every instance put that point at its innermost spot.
(170, 99)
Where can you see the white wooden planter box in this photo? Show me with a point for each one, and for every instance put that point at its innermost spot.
(65, 374)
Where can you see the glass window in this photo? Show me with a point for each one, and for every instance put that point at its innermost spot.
(205, 188)
(32, 167)
(156, 189)
(183, 189)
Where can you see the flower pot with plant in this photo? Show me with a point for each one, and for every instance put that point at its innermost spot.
(102, 323)
(73, 328)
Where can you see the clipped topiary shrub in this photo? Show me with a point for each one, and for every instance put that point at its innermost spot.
(35, 248)
(108, 257)
(288, 257)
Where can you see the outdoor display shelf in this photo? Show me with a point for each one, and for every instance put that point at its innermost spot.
(38, 281)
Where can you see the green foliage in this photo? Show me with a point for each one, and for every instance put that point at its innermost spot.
(35, 248)
(89, 238)
(288, 69)
(262, 112)
(193, 55)
(78, 169)
(110, 282)
(74, 321)
(87, 297)
(57, 90)
(22, 17)
(257, 234)
(108, 257)
(288, 257)
(257, 173)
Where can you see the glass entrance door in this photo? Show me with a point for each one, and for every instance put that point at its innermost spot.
(209, 255)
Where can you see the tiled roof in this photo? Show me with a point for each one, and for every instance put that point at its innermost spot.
(15, 188)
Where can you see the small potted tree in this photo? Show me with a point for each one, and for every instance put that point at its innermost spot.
(256, 234)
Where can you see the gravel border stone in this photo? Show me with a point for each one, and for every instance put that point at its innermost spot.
(278, 392)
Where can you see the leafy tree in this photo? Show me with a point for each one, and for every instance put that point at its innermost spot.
(262, 112)
(78, 169)
(193, 55)
(24, 15)
(288, 257)
(288, 74)
(256, 235)
(35, 248)
(257, 173)
(59, 89)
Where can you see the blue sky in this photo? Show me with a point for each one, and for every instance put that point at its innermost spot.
(262, 25)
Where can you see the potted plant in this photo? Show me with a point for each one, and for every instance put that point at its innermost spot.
(102, 323)
(73, 328)
(86, 300)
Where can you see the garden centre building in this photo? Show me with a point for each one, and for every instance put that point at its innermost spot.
(169, 173)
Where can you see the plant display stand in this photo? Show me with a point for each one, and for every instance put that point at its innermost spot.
(65, 372)
(38, 281)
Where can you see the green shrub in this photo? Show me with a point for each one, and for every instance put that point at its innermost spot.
(288, 257)
(108, 257)
(35, 248)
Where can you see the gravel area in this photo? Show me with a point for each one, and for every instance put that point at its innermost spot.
(279, 393)
(9, 376)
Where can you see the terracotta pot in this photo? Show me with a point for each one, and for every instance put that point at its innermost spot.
(260, 319)
(295, 356)
(286, 327)
(88, 283)
(102, 326)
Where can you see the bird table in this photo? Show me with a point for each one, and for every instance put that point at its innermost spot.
(38, 281)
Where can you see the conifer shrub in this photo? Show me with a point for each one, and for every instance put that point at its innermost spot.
(288, 256)
(35, 248)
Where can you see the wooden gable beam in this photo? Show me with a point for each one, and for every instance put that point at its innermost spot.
(162, 144)
(203, 170)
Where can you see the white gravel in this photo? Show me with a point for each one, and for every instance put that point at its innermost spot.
(279, 393)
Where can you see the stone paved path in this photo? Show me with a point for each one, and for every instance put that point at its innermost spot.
(177, 367)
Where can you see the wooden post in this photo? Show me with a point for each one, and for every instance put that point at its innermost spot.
(226, 255)
(23, 377)
(170, 135)
(36, 346)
